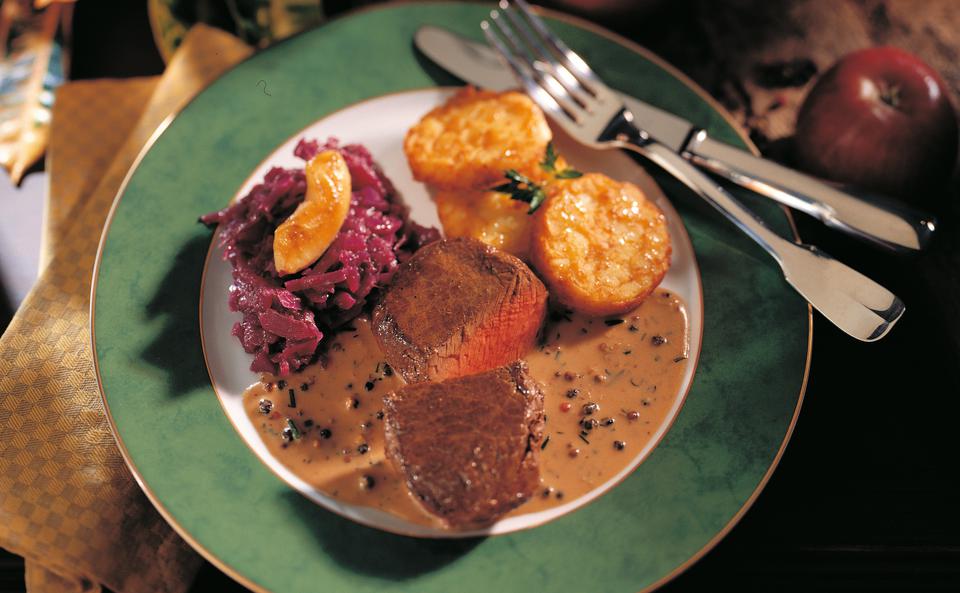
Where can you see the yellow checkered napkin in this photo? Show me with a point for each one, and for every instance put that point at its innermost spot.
(94, 119)
(68, 504)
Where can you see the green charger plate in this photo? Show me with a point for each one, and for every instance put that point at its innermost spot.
(702, 477)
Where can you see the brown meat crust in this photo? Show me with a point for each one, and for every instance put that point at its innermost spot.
(458, 307)
(468, 447)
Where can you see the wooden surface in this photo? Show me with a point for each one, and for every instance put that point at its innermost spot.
(863, 499)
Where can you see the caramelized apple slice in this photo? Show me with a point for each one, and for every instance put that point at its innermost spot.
(302, 238)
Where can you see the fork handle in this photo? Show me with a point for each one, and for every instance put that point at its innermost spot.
(877, 219)
(805, 267)
(713, 193)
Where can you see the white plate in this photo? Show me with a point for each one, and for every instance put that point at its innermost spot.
(380, 124)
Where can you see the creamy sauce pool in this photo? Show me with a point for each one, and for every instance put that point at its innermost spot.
(609, 385)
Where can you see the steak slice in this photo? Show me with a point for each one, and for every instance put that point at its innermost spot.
(458, 307)
(468, 447)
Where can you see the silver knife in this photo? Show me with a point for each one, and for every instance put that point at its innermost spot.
(881, 221)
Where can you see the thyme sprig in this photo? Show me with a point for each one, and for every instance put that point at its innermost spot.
(522, 188)
(549, 164)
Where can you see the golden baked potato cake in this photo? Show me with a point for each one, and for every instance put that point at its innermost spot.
(468, 142)
(489, 216)
(600, 245)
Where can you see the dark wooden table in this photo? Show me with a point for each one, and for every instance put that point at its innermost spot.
(864, 498)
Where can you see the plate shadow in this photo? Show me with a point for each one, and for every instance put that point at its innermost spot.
(373, 552)
(176, 348)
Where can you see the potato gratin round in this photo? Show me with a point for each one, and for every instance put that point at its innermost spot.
(469, 142)
(600, 244)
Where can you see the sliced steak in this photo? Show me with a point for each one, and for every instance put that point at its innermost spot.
(468, 447)
(458, 307)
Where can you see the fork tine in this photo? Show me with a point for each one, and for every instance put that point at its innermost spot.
(534, 90)
(544, 80)
(569, 58)
(542, 56)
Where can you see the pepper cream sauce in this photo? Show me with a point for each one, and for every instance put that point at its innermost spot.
(609, 385)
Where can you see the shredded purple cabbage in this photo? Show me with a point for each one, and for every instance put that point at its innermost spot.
(286, 318)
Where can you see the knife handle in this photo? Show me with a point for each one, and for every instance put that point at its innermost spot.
(851, 301)
(877, 219)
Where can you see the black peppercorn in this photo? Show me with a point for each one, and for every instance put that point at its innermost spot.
(572, 393)
(380, 415)
(282, 384)
(368, 385)
(589, 423)
(367, 482)
(658, 340)
(363, 448)
(590, 408)
(266, 406)
(619, 445)
(325, 433)
(607, 421)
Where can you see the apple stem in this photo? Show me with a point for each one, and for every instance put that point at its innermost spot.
(890, 94)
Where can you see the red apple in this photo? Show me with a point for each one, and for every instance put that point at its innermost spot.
(879, 118)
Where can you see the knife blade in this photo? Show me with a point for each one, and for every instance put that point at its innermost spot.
(881, 221)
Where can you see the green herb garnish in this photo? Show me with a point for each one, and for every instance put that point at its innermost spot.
(294, 431)
(522, 188)
(549, 164)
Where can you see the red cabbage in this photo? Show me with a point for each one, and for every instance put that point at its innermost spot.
(285, 319)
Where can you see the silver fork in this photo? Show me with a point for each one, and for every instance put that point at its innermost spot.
(564, 86)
